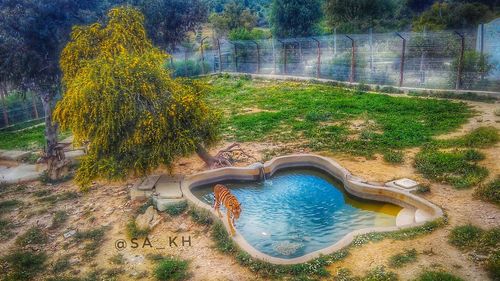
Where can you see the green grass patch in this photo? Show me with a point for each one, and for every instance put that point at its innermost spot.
(201, 216)
(177, 208)
(61, 264)
(394, 156)
(32, 236)
(456, 96)
(457, 168)
(24, 265)
(489, 192)
(133, 231)
(423, 188)
(379, 273)
(93, 240)
(27, 139)
(478, 138)
(171, 269)
(320, 115)
(437, 275)
(8, 205)
(64, 196)
(465, 236)
(485, 242)
(59, 218)
(5, 229)
(401, 259)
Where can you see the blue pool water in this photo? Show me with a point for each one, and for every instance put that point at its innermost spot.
(299, 211)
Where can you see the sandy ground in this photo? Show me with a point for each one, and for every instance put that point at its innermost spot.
(108, 205)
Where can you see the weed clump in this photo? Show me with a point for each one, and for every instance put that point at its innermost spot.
(33, 236)
(394, 156)
(171, 269)
(437, 275)
(201, 216)
(177, 208)
(401, 259)
(24, 265)
(489, 192)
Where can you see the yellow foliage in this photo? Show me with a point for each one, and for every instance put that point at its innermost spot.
(119, 97)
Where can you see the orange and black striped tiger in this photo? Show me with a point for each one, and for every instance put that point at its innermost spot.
(233, 207)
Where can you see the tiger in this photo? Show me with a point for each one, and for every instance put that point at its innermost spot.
(223, 195)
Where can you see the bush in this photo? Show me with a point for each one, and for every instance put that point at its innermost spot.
(33, 236)
(489, 192)
(451, 167)
(59, 218)
(133, 231)
(380, 274)
(177, 208)
(8, 205)
(465, 236)
(171, 269)
(423, 188)
(474, 65)
(222, 239)
(201, 216)
(393, 156)
(24, 265)
(401, 259)
(5, 229)
(493, 265)
(437, 275)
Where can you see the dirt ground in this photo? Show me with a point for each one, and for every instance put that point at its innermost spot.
(108, 205)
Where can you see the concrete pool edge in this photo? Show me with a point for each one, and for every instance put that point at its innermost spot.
(423, 210)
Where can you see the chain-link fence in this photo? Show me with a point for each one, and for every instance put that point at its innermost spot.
(433, 60)
(19, 111)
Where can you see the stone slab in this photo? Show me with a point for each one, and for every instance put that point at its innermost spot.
(406, 183)
(162, 204)
(14, 155)
(148, 183)
(18, 174)
(136, 194)
(168, 188)
(405, 217)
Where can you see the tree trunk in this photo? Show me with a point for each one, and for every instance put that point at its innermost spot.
(205, 156)
(57, 164)
(4, 106)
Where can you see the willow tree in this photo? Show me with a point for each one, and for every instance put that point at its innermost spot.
(121, 100)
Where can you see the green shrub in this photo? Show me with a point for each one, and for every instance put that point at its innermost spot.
(401, 259)
(62, 264)
(489, 192)
(450, 167)
(177, 208)
(465, 236)
(201, 216)
(93, 239)
(423, 188)
(437, 276)
(223, 241)
(493, 265)
(133, 231)
(171, 269)
(60, 217)
(394, 157)
(478, 138)
(24, 265)
(380, 274)
(33, 236)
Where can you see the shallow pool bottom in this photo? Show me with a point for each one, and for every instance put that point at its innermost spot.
(299, 211)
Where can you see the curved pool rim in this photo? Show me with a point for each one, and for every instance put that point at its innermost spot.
(356, 186)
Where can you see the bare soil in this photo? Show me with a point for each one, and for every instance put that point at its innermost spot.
(108, 205)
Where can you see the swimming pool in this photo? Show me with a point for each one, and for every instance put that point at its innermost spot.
(299, 211)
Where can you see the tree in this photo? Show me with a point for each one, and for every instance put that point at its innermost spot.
(119, 97)
(359, 15)
(33, 33)
(169, 21)
(234, 16)
(293, 18)
(442, 16)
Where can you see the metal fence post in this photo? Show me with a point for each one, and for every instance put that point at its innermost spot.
(235, 57)
(202, 56)
(283, 44)
(318, 66)
(35, 110)
(334, 41)
(460, 60)
(220, 55)
(4, 106)
(258, 55)
(402, 64)
(481, 42)
(352, 77)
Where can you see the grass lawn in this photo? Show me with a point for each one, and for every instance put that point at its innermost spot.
(323, 117)
(28, 139)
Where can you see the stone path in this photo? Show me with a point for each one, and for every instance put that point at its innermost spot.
(21, 173)
(13, 155)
